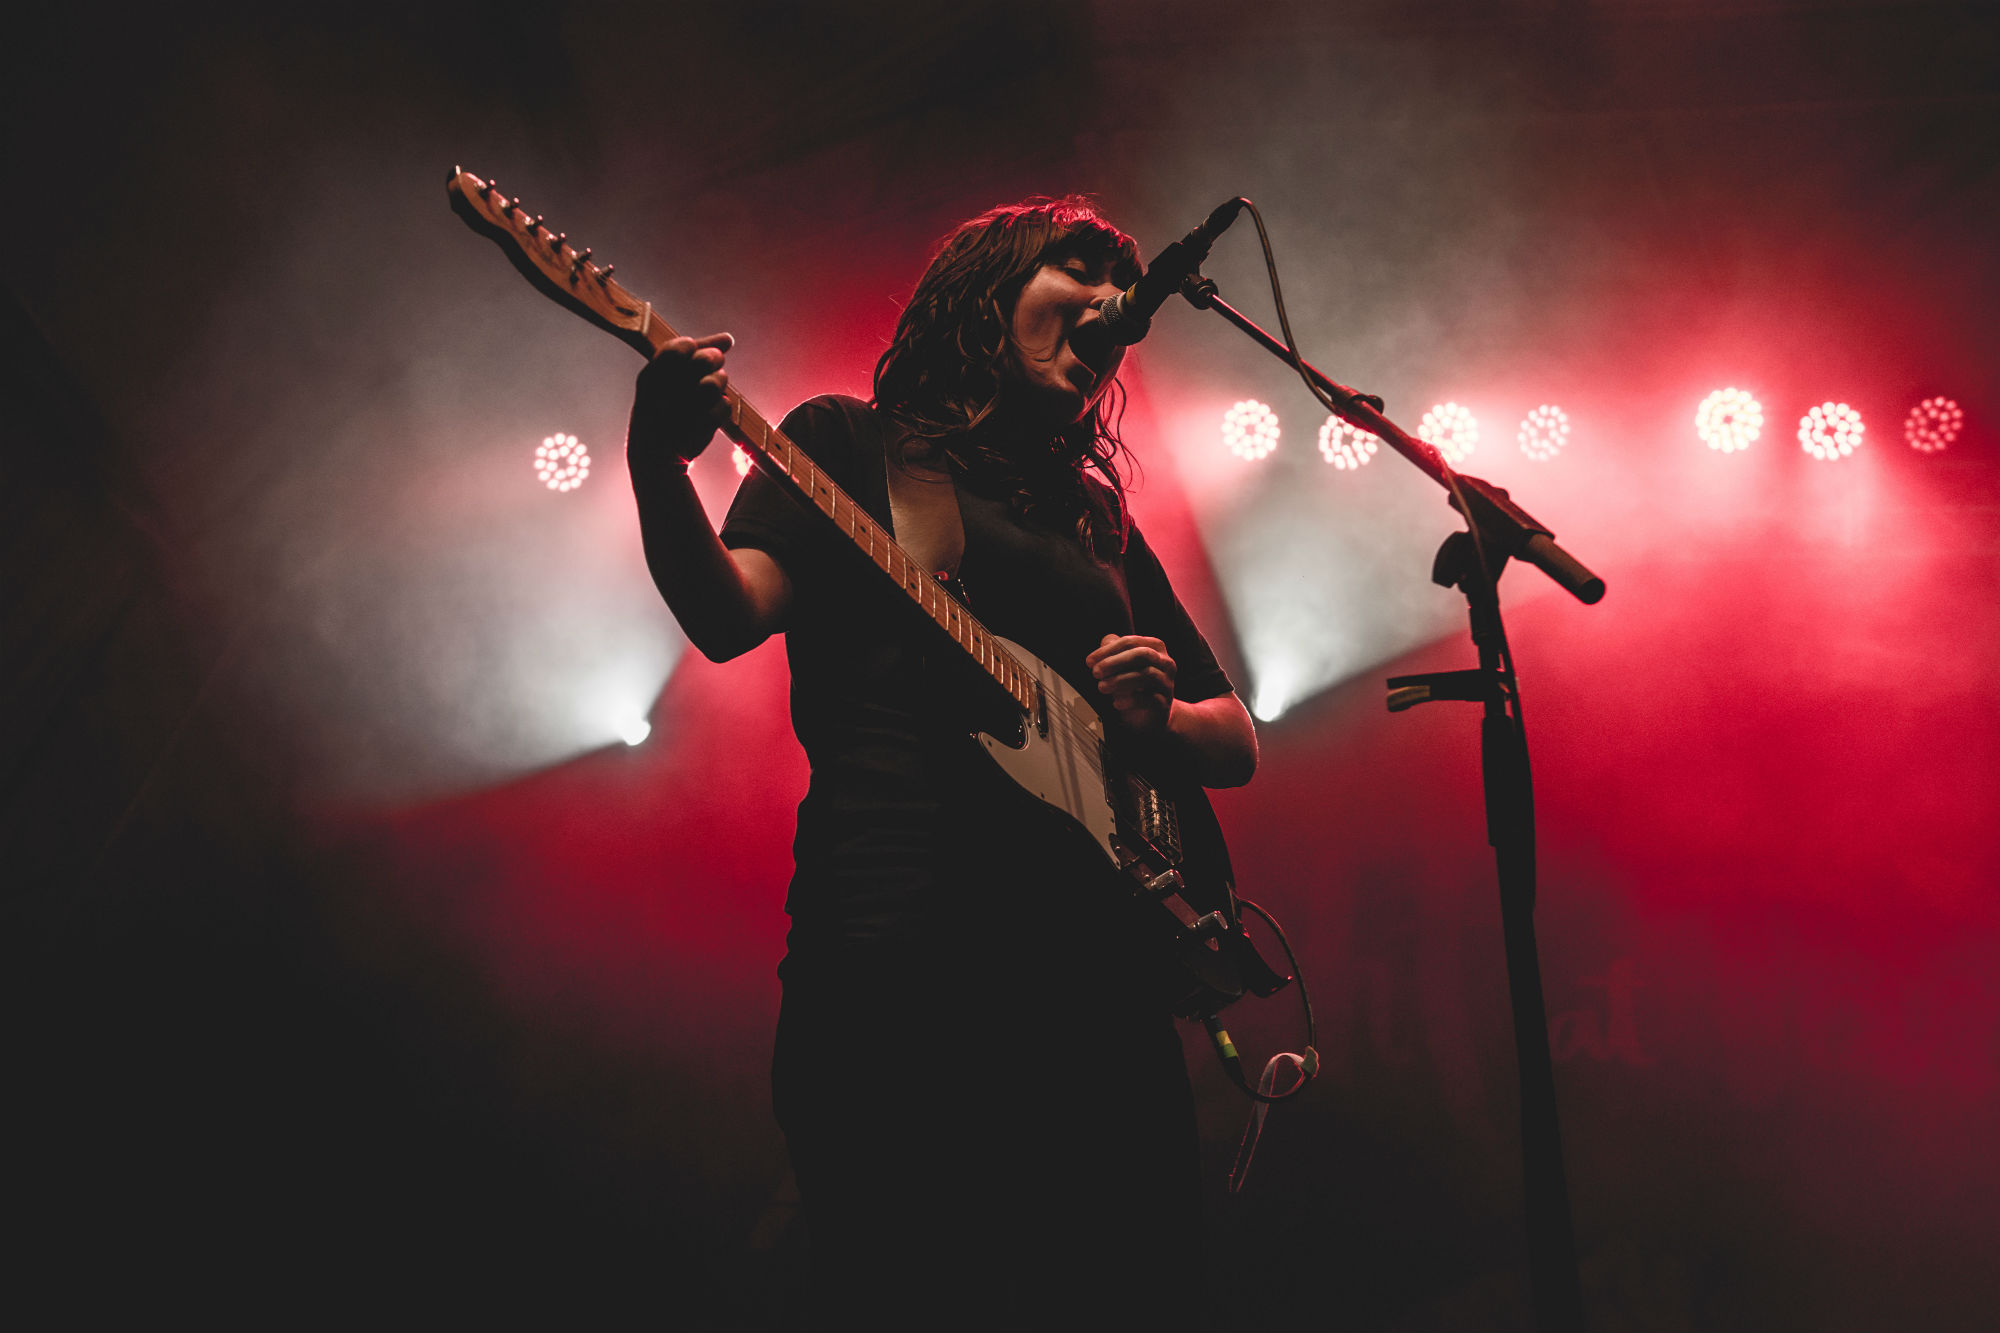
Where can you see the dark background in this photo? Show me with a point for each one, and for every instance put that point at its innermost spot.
(358, 975)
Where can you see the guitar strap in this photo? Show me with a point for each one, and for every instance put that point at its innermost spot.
(923, 511)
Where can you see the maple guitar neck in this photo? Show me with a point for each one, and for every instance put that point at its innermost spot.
(569, 277)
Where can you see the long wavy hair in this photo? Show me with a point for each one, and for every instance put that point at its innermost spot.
(945, 372)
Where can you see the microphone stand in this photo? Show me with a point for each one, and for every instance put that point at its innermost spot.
(1496, 530)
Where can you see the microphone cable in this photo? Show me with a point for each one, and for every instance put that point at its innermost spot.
(1510, 686)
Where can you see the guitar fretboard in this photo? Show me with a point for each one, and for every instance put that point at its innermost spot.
(568, 276)
(748, 428)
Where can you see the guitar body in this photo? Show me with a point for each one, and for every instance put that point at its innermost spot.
(1157, 841)
(1154, 834)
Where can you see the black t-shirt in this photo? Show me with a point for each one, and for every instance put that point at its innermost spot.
(903, 836)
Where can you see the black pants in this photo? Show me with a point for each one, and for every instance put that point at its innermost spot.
(987, 1143)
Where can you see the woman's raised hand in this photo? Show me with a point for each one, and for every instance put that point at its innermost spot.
(678, 405)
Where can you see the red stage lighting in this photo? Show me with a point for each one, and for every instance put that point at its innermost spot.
(1830, 432)
(562, 462)
(1453, 429)
(1544, 432)
(1933, 424)
(1250, 429)
(1729, 419)
(1346, 446)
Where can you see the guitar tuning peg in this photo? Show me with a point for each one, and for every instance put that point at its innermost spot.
(604, 274)
(584, 258)
(557, 242)
(536, 225)
(486, 190)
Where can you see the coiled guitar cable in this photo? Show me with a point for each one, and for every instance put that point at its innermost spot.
(1266, 1094)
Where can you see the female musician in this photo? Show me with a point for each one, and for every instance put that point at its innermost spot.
(986, 1108)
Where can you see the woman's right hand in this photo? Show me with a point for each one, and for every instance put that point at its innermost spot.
(679, 403)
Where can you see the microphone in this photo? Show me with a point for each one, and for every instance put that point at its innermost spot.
(1128, 316)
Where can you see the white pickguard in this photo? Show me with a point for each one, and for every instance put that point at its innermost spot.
(1065, 769)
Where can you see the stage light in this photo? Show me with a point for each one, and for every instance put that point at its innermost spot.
(562, 462)
(742, 460)
(1830, 432)
(1250, 429)
(1544, 432)
(1346, 446)
(1729, 419)
(1933, 424)
(635, 731)
(1453, 429)
(1268, 703)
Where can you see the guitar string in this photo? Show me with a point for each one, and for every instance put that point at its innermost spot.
(1075, 737)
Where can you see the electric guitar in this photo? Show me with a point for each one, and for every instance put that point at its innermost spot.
(1154, 833)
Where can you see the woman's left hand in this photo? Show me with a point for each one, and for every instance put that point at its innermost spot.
(1138, 673)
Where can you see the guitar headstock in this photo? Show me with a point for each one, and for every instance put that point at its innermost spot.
(545, 256)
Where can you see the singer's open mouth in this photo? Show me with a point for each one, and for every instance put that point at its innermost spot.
(1091, 347)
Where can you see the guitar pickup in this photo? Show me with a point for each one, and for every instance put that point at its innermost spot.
(1155, 818)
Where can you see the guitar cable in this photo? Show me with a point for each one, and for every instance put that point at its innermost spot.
(1266, 1094)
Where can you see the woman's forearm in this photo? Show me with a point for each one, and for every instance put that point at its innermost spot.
(726, 602)
(1217, 738)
